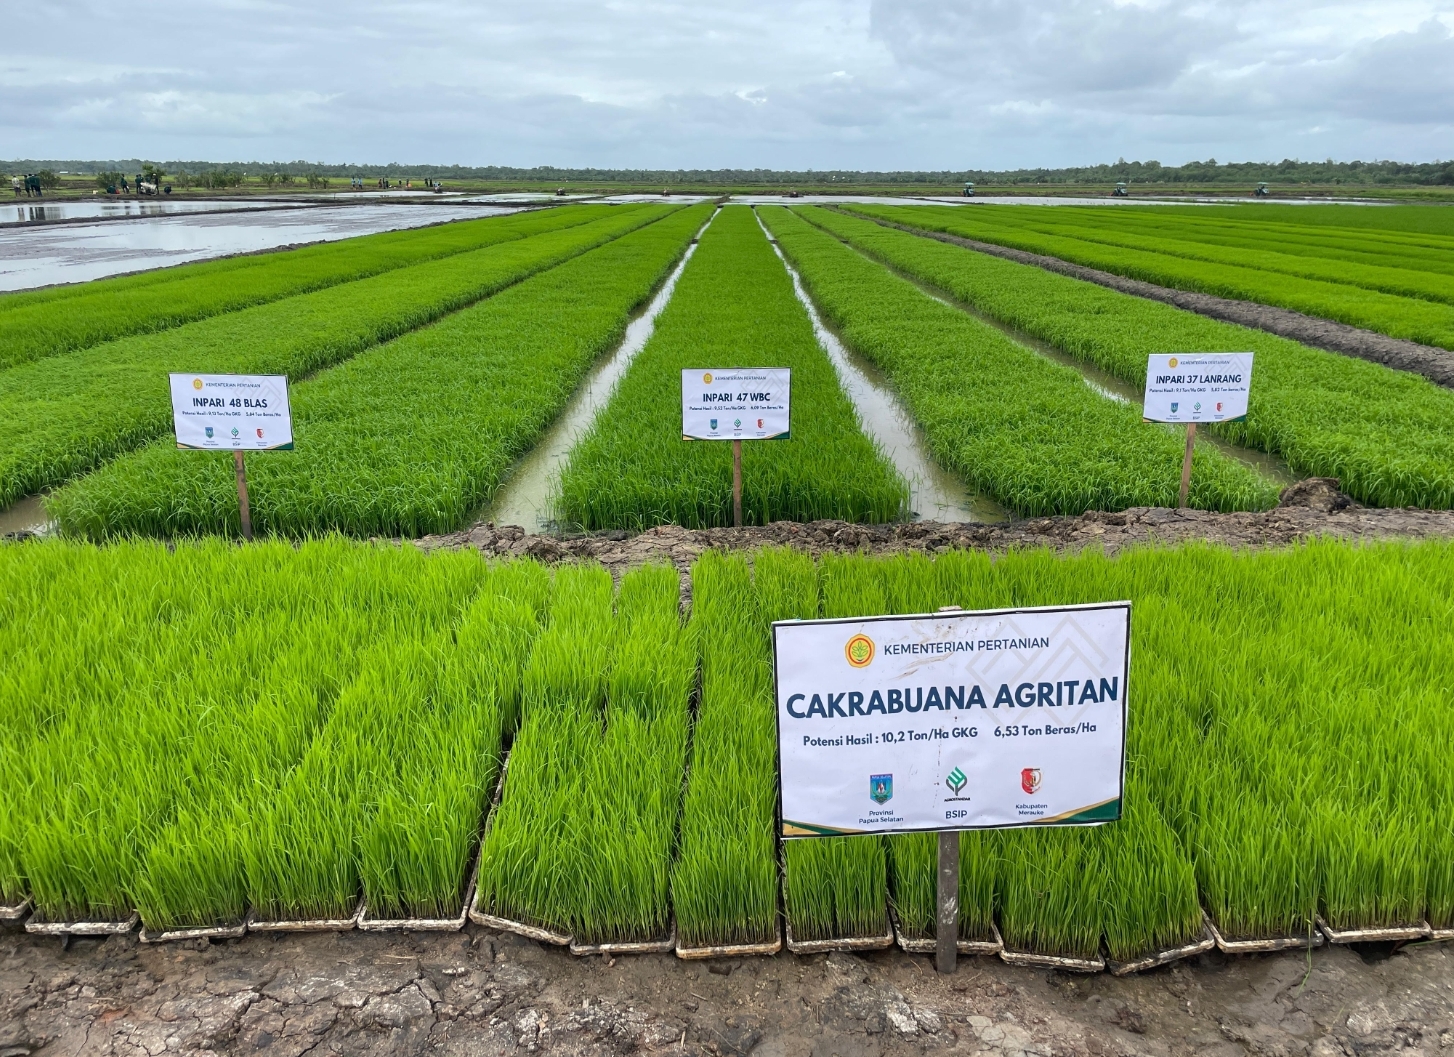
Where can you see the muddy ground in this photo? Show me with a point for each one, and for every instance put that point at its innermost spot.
(1309, 508)
(480, 992)
(1435, 364)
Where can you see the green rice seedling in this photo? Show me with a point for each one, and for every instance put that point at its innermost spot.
(1385, 434)
(725, 881)
(42, 323)
(734, 306)
(1050, 891)
(399, 441)
(1356, 297)
(1013, 424)
(70, 412)
(836, 887)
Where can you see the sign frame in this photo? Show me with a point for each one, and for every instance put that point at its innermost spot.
(274, 383)
(1194, 416)
(951, 612)
(739, 434)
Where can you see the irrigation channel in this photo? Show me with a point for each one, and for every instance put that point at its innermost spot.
(1103, 382)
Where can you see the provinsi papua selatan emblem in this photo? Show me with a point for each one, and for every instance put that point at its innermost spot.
(859, 650)
(956, 780)
(881, 788)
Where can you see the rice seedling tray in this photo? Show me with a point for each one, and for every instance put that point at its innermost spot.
(15, 914)
(450, 924)
(662, 946)
(1203, 943)
(841, 943)
(203, 932)
(38, 925)
(257, 924)
(1278, 943)
(1053, 961)
(733, 950)
(921, 945)
(1418, 931)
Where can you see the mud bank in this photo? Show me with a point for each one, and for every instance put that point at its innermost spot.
(1309, 508)
(1435, 364)
(480, 992)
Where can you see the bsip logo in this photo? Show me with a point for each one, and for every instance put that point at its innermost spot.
(956, 781)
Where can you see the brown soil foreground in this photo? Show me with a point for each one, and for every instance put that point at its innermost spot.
(1310, 508)
(1433, 363)
(480, 992)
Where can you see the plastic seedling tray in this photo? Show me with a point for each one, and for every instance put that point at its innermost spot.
(928, 946)
(13, 915)
(648, 947)
(449, 924)
(733, 950)
(1393, 934)
(842, 943)
(1203, 943)
(40, 926)
(256, 924)
(492, 921)
(205, 932)
(1065, 963)
(1441, 934)
(1280, 943)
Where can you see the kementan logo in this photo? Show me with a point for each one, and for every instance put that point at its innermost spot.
(859, 650)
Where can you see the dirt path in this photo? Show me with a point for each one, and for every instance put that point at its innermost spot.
(1435, 364)
(480, 993)
(1309, 508)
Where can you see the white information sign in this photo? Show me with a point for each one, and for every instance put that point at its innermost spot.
(735, 403)
(232, 411)
(953, 720)
(1204, 387)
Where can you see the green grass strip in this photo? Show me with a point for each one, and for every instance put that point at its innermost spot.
(68, 318)
(732, 307)
(1410, 317)
(1015, 425)
(66, 414)
(408, 438)
(1386, 435)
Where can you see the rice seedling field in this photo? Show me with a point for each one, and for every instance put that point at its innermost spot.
(1025, 430)
(734, 306)
(68, 413)
(409, 437)
(1387, 435)
(63, 319)
(204, 729)
(1393, 295)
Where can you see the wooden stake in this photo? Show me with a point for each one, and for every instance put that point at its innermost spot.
(1191, 438)
(946, 932)
(242, 507)
(736, 484)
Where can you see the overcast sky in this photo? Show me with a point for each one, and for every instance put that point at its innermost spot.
(784, 84)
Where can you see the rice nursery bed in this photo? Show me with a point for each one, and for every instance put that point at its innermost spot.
(68, 413)
(733, 306)
(1401, 302)
(63, 319)
(410, 437)
(200, 730)
(1388, 436)
(1016, 426)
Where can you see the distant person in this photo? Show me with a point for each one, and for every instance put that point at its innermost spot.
(15, 185)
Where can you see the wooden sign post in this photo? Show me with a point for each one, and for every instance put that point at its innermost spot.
(1191, 441)
(242, 507)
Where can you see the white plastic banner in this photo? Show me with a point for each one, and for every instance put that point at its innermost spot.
(738, 403)
(953, 720)
(1205, 387)
(231, 411)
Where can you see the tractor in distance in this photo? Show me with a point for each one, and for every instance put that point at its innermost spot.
(1120, 191)
(968, 191)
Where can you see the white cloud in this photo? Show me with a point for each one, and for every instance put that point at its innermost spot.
(890, 84)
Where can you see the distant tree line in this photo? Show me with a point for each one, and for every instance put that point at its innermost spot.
(230, 174)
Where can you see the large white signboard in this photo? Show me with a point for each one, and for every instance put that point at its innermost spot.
(1205, 387)
(953, 720)
(232, 411)
(738, 403)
